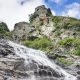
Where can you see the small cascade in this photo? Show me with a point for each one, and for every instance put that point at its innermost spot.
(44, 64)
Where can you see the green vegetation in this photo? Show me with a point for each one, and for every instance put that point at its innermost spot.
(3, 26)
(49, 13)
(64, 61)
(4, 32)
(58, 33)
(32, 17)
(77, 51)
(67, 42)
(71, 42)
(8, 35)
(66, 23)
(40, 43)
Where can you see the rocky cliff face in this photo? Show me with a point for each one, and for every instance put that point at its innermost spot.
(20, 63)
(40, 24)
(22, 31)
(58, 36)
(40, 16)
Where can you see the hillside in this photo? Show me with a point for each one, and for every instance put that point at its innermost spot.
(58, 36)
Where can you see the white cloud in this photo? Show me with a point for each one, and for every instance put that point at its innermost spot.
(72, 10)
(12, 12)
(59, 2)
(53, 12)
(56, 1)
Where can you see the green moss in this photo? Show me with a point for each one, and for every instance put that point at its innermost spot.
(65, 61)
(40, 43)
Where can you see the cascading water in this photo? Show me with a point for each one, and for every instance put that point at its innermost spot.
(39, 58)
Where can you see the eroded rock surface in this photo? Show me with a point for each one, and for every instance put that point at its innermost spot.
(12, 67)
(15, 67)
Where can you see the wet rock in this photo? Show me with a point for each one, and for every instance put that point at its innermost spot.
(78, 77)
(13, 67)
(78, 72)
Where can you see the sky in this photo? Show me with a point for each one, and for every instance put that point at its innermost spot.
(14, 11)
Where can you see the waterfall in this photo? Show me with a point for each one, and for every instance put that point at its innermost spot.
(40, 58)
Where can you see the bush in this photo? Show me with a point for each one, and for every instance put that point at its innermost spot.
(67, 42)
(40, 43)
(32, 17)
(77, 51)
(72, 24)
(66, 23)
(2, 31)
(71, 42)
(65, 61)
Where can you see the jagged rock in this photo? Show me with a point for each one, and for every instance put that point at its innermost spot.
(22, 30)
(40, 16)
(14, 67)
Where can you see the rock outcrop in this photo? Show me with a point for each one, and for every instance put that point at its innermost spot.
(22, 31)
(40, 16)
(40, 24)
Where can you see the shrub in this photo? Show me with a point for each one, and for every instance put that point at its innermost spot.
(71, 42)
(67, 42)
(32, 17)
(77, 51)
(40, 43)
(66, 23)
(65, 61)
(2, 31)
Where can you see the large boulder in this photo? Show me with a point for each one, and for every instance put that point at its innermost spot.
(22, 30)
